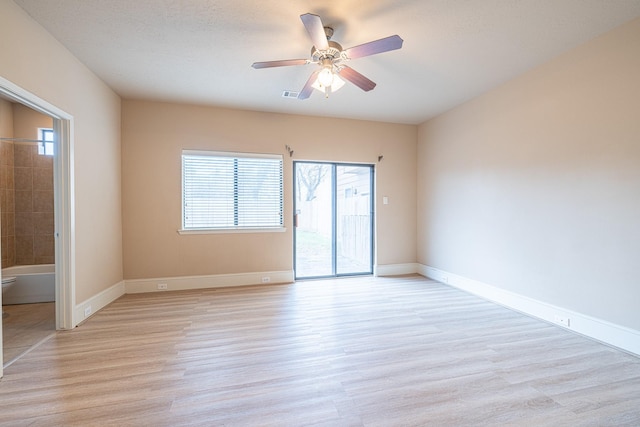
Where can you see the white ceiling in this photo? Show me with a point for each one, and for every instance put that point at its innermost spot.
(201, 51)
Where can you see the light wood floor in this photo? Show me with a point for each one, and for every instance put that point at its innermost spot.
(25, 325)
(351, 352)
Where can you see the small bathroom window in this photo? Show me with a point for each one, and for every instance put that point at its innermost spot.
(45, 141)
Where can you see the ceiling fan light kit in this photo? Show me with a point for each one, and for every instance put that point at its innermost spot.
(331, 59)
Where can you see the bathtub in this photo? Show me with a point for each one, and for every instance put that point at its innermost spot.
(34, 283)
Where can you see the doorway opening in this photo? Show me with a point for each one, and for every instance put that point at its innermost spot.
(62, 201)
(333, 219)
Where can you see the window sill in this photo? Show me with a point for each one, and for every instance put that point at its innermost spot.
(232, 230)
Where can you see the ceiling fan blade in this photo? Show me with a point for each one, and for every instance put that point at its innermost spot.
(314, 27)
(383, 45)
(282, 63)
(356, 78)
(308, 89)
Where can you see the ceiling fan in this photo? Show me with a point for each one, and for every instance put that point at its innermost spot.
(331, 58)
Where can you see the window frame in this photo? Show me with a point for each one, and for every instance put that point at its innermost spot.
(236, 228)
(44, 143)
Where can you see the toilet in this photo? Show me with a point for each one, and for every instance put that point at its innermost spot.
(7, 282)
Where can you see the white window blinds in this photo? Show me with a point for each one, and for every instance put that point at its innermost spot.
(231, 190)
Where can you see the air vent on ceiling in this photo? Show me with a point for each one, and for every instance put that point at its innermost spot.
(290, 94)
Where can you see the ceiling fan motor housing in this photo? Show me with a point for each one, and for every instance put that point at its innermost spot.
(333, 53)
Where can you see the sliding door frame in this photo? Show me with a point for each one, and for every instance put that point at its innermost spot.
(334, 228)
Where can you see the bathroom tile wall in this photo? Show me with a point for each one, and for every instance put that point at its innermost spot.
(26, 188)
(7, 204)
(7, 217)
(34, 221)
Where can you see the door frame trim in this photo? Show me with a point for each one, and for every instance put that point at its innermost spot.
(64, 199)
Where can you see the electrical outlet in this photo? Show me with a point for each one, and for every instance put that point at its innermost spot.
(87, 311)
(162, 286)
(266, 279)
(562, 320)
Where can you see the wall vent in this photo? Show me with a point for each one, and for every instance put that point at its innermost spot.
(290, 94)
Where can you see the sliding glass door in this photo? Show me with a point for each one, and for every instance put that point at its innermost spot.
(333, 219)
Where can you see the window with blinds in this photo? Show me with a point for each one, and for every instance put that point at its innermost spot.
(231, 191)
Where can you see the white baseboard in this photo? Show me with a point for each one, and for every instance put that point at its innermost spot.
(97, 302)
(609, 333)
(213, 281)
(396, 269)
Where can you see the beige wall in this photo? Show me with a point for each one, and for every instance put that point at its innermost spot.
(535, 186)
(6, 118)
(26, 122)
(153, 136)
(70, 86)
